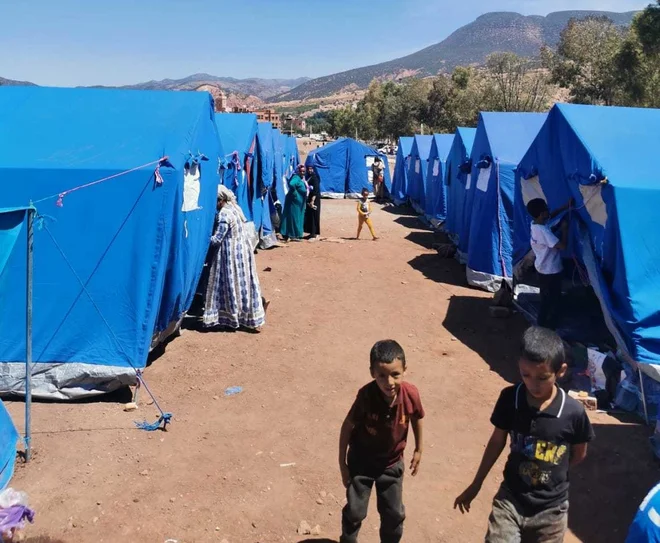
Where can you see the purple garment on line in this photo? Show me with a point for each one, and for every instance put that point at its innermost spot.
(15, 517)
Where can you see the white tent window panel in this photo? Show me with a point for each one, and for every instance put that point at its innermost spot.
(436, 167)
(468, 181)
(370, 174)
(191, 188)
(532, 189)
(417, 165)
(484, 178)
(594, 204)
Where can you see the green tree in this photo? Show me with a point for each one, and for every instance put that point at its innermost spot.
(638, 60)
(516, 83)
(585, 61)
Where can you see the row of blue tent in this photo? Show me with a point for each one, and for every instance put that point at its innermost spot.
(477, 187)
(344, 168)
(122, 187)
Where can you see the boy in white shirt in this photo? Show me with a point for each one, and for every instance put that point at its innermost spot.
(547, 248)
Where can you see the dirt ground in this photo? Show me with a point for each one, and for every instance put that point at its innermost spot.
(250, 467)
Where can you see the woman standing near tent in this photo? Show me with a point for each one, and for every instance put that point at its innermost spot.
(313, 211)
(233, 294)
(293, 214)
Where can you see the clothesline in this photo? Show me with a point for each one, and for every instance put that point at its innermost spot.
(60, 195)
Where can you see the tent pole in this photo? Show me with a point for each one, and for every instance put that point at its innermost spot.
(28, 338)
(641, 385)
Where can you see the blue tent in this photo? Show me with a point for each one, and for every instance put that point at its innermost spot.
(501, 141)
(603, 157)
(238, 132)
(419, 165)
(344, 168)
(279, 166)
(262, 206)
(458, 173)
(8, 443)
(116, 263)
(400, 178)
(435, 208)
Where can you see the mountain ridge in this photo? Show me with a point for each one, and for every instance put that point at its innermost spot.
(468, 45)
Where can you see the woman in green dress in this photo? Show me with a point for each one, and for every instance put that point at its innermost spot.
(293, 214)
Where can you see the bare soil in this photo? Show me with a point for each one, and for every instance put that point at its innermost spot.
(250, 467)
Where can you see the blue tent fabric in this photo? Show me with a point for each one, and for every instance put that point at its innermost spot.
(279, 157)
(116, 267)
(603, 158)
(401, 166)
(344, 168)
(501, 141)
(238, 133)
(265, 173)
(457, 177)
(419, 163)
(8, 443)
(435, 208)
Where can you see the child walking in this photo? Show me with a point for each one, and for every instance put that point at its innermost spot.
(549, 432)
(372, 441)
(547, 250)
(364, 215)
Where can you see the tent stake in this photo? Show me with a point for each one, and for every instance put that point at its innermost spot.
(28, 338)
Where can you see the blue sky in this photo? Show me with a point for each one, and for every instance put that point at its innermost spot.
(85, 42)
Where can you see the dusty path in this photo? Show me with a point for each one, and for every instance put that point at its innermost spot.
(217, 473)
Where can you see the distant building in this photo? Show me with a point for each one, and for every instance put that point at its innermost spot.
(219, 96)
(268, 116)
(300, 124)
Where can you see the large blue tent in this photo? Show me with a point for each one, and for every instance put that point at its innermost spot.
(263, 205)
(501, 141)
(435, 199)
(458, 173)
(401, 166)
(238, 133)
(8, 443)
(603, 157)
(419, 165)
(125, 185)
(344, 168)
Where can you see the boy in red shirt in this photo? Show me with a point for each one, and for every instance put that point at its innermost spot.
(373, 439)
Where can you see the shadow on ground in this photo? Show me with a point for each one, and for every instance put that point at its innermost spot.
(315, 540)
(495, 340)
(608, 487)
(413, 223)
(441, 270)
(406, 211)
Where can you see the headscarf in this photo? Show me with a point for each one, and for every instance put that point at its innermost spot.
(228, 196)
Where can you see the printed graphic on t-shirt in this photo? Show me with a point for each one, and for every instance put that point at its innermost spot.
(538, 452)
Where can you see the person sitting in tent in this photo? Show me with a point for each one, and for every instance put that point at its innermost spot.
(378, 170)
(233, 293)
(313, 211)
(293, 214)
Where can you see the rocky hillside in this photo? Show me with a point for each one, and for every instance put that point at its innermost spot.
(254, 87)
(10, 82)
(261, 88)
(470, 44)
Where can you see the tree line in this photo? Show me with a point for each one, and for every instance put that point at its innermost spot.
(595, 62)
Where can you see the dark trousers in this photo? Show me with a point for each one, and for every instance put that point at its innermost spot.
(389, 491)
(550, 287)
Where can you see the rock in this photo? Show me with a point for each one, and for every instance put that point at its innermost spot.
(320, 501)
(304, 528)
(323, 494)
(144, 473)
(172, 500)
(136, 500)
(131, 406)
(316, 530)
(216, 397)
(95, 520)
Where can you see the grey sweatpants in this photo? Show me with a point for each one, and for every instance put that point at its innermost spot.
(508, 525)
(389, 491)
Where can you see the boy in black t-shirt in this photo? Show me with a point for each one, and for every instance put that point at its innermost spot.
(549, 433)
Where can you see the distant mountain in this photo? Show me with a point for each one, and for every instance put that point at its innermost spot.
(470, 44)
(10, 82)
(261, 88)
